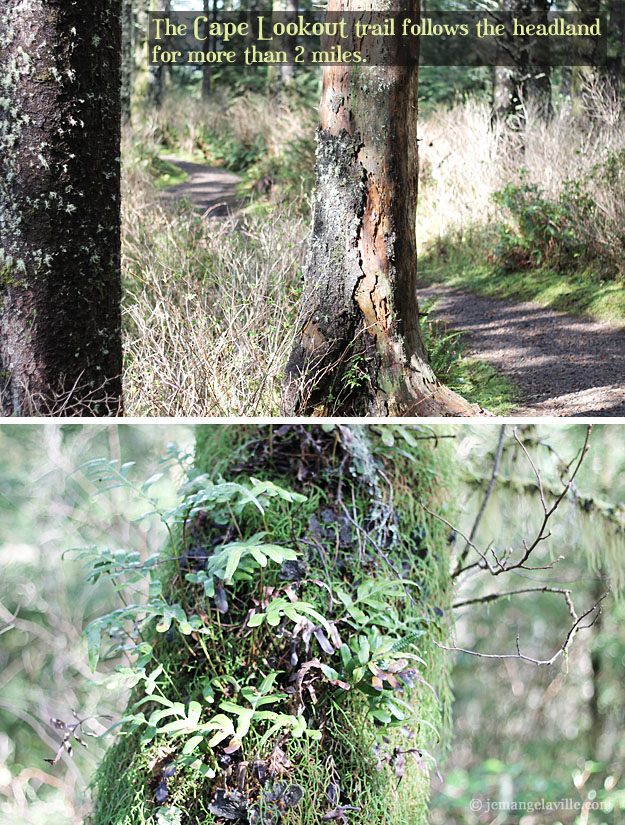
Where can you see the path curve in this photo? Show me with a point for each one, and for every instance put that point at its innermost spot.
(210, 189)
(565, 366)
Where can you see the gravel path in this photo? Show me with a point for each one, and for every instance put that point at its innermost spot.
(211, 190)
(565, 366)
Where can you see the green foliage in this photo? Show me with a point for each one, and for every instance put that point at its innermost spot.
(475, 380)
(554, 231)
(444, 84)
(245, 646)
(547, 230)
(290, 173)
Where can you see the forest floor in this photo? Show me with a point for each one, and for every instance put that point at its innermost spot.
(563, 365)
(209, 188)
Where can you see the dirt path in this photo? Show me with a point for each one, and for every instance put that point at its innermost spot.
(565, 366)
(211, 190)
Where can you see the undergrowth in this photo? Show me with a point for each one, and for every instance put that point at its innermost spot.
(283, 652)
(268, 139)
(475, 380)
(209, 305)
(527, 211)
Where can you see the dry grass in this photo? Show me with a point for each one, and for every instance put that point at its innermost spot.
(244, 120)
(209, 307)
(464, 160)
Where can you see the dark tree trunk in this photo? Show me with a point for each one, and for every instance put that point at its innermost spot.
(206, 69)
(525, 77)
(288, 69)
(617, 27)
(505, 98)
(157, 73)
(128, 58)
(596, 664)
(60, 339)
(538, 86)
(359, 349)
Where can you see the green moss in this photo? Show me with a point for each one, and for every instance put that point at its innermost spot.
(167, 174)
(359, 467)
(583, 292)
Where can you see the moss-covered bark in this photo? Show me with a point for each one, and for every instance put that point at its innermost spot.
(60, 282)
(359, 348)
(360, 526)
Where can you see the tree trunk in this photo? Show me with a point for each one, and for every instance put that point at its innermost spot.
(359, 348)
(288, 69)
(60, 337)
(128, 59)
(527, 79)
(538, 86)
(156, 72)
(354, 521)
(206, 69)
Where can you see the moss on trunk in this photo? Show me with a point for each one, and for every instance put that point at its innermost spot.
(374, 566)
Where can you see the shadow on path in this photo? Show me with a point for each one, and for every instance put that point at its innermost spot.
(565, 366)
(210, 189)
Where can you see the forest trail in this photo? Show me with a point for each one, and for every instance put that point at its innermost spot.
(210, 189)
(564, 365)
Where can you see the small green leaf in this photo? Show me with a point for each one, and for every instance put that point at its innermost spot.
(192, 744)
(273, 618)
(195, 711)
(256, 620)
(164, 624)
(261, 558)
(155, 589)
(234, 557)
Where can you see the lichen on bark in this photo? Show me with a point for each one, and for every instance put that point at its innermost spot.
(60, 291)
(359, 348)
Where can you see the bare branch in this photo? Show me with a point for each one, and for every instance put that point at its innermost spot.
(505, 564)
(489, 491)
(495, 596)
(575, 627)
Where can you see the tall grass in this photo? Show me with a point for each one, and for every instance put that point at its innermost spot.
(574, 161)
(209, 307)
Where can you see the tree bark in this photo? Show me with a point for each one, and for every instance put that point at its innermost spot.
(206, 69)
(128, 59)
(156, 73)
(527, 79)
(288, 69)
(60, 320)
(359, 348)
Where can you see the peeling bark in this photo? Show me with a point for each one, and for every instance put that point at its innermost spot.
(359, 349)
(60, 284)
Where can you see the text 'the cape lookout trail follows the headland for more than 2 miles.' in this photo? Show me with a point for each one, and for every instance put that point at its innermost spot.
(268, 28)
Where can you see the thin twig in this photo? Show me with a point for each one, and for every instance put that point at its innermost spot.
(503, 565)
(495, 596)
(489, 491)
(576, 626)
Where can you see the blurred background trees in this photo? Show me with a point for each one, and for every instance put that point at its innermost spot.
(46, 507)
